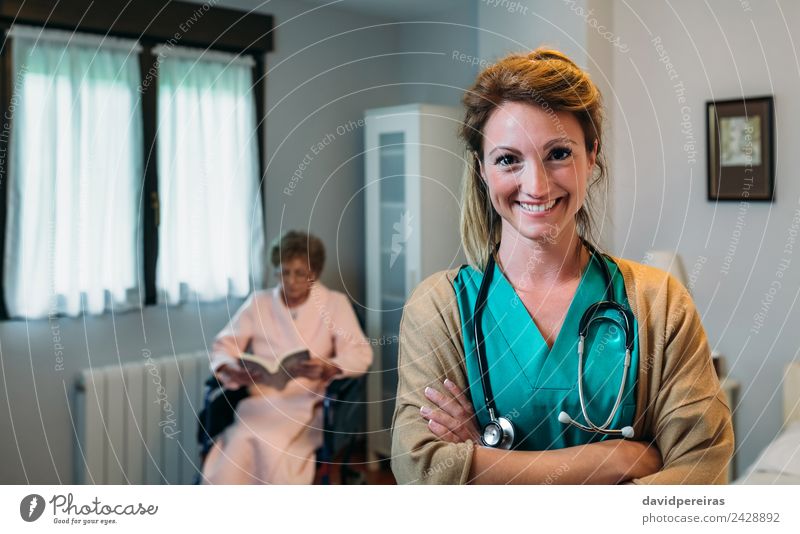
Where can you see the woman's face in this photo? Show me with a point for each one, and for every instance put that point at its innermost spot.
(531, 158)
(296, 278)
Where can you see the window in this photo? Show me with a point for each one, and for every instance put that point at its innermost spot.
(211, 226)
(78, 235)
(75, 171)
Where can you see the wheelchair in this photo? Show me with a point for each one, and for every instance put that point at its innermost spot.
(343, 412)
(344, 421)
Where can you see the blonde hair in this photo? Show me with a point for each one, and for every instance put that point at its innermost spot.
(545, 78)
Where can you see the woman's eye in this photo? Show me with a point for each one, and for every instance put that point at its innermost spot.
(561, 153)
(505, 160)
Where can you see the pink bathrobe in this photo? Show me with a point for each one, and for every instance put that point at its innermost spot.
(277, 432)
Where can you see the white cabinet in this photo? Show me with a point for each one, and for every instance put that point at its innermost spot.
(414, 167)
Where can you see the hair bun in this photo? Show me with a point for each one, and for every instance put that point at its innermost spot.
(548, 54)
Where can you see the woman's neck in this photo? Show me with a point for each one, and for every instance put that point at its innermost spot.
(547, 262)
(293, 303)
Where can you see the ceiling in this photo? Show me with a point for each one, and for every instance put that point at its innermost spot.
(397, 9)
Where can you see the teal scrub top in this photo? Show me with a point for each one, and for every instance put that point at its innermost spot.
(531, 383)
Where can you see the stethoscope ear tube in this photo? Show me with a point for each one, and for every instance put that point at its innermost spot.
(603, 429)
(595, 314)
(499, 432)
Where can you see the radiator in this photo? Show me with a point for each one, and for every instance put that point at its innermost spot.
(136, 423)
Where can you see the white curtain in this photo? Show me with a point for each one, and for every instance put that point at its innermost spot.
(211, 228)
(75, 174)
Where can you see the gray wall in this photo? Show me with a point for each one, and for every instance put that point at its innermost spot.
(526, 24)
(328, 67)
(438, 49)
(37, 439)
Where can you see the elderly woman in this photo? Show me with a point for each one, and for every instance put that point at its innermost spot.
(278, 428)
(579, 367)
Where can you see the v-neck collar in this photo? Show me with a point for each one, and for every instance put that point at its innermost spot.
(523, 337)
(286, 310)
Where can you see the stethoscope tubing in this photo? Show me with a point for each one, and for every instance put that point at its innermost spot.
(589, 317)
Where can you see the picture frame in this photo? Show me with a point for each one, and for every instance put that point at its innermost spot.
(740, 137)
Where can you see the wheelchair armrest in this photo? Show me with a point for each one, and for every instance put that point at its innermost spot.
(219, 407)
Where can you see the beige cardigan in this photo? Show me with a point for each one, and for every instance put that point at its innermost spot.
(679, 401)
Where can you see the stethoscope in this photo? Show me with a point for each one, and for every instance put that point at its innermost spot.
(499, 432)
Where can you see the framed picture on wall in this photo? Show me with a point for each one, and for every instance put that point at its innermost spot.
(741, 149)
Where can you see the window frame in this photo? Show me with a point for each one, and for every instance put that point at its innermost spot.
(152, 23)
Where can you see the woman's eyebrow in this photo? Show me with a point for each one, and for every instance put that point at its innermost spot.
(557, 140)
(502, 147)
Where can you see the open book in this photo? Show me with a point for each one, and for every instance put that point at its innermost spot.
(274, 371)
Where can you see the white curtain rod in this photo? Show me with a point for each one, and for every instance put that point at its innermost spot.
(202, 54)
(61, 36)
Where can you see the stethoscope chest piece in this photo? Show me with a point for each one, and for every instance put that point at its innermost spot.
(498, 433)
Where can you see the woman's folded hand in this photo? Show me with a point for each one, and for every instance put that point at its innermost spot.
(450, 416)
(315, 369)
(233, 376)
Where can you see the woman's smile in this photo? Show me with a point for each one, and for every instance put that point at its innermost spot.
(539, 209)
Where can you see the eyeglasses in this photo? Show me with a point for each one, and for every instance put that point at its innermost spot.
(302, 274)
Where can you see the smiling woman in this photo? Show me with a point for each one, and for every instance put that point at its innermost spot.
(603, 371)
